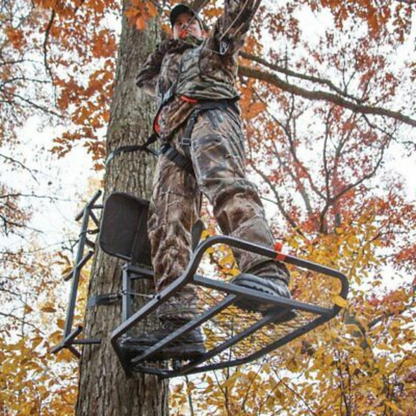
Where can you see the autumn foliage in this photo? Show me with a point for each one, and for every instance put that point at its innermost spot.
(328, 91)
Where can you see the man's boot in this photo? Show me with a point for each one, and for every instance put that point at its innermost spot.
(275, 285)
(188, 347)
(173, 314)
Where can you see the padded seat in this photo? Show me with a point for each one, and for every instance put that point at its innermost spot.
(124, 229)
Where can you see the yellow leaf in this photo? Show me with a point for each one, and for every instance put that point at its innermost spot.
(48, 309)
(61, 323)
(36, 341)
(66, 270)
(226, 259)
(340, 301)
(205, 234)
(392, 406)
(234, 272)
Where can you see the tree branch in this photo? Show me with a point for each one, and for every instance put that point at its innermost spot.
(278, 201)
(7, 223)
(384, 316)
(305, 77)
(24, 322)
(19, 195)
(295, 393)
(37, 106)
(331, 200)
(17, 162)
(287, 130)
(323, 96)
(45, 44)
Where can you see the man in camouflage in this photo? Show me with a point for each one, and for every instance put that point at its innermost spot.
(188, 71)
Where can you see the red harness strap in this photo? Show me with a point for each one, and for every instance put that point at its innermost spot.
(188, 99)
(156, 126)
(278, 247)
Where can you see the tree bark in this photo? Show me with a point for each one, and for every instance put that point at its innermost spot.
(104, 388)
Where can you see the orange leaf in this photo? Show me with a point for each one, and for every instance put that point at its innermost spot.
(15, 37)
(152, 10)
(255, 109)
(141, 23)
(132, 13)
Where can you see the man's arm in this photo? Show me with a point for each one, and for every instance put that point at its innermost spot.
(231, 28)
(148, 76)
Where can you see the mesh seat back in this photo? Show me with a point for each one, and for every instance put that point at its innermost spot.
(123, 231)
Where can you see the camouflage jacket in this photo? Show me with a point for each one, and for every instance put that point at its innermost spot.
(180, 72)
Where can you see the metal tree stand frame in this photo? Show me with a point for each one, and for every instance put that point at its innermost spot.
(69, 338)
(233, 337)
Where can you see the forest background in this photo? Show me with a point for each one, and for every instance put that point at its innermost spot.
(328, 99)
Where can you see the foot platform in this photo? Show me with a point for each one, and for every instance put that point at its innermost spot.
(231, 336)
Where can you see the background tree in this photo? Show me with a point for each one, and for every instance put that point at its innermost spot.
(104, 387)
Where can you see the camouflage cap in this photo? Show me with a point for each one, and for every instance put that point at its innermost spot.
(183, 8)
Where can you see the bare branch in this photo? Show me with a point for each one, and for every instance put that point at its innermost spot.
(278, 199)
(290, 73)
(295, 393)
(7, 223)
(19, 195)
(323, 96)
(291, 137)
(16, 318)
(342, 385)
(330, 201)
(288, 133)
(388, 134)
(17, 162)
(189, 396)
(37, 106)
(386, 316)
(45, 44)
(15, 79)
(409, 2)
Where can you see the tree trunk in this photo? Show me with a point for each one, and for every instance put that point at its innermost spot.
(104, 388)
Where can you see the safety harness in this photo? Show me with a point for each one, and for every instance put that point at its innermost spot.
(184, 162)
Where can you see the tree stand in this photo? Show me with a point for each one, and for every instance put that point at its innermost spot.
(232, 336)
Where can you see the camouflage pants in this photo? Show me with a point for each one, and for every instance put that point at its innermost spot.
(217, 152)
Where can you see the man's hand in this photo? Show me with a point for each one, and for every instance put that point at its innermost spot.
(238, 15)
(167, 45)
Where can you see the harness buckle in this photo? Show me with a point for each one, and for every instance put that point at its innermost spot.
(185, 141)
(163, 149)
